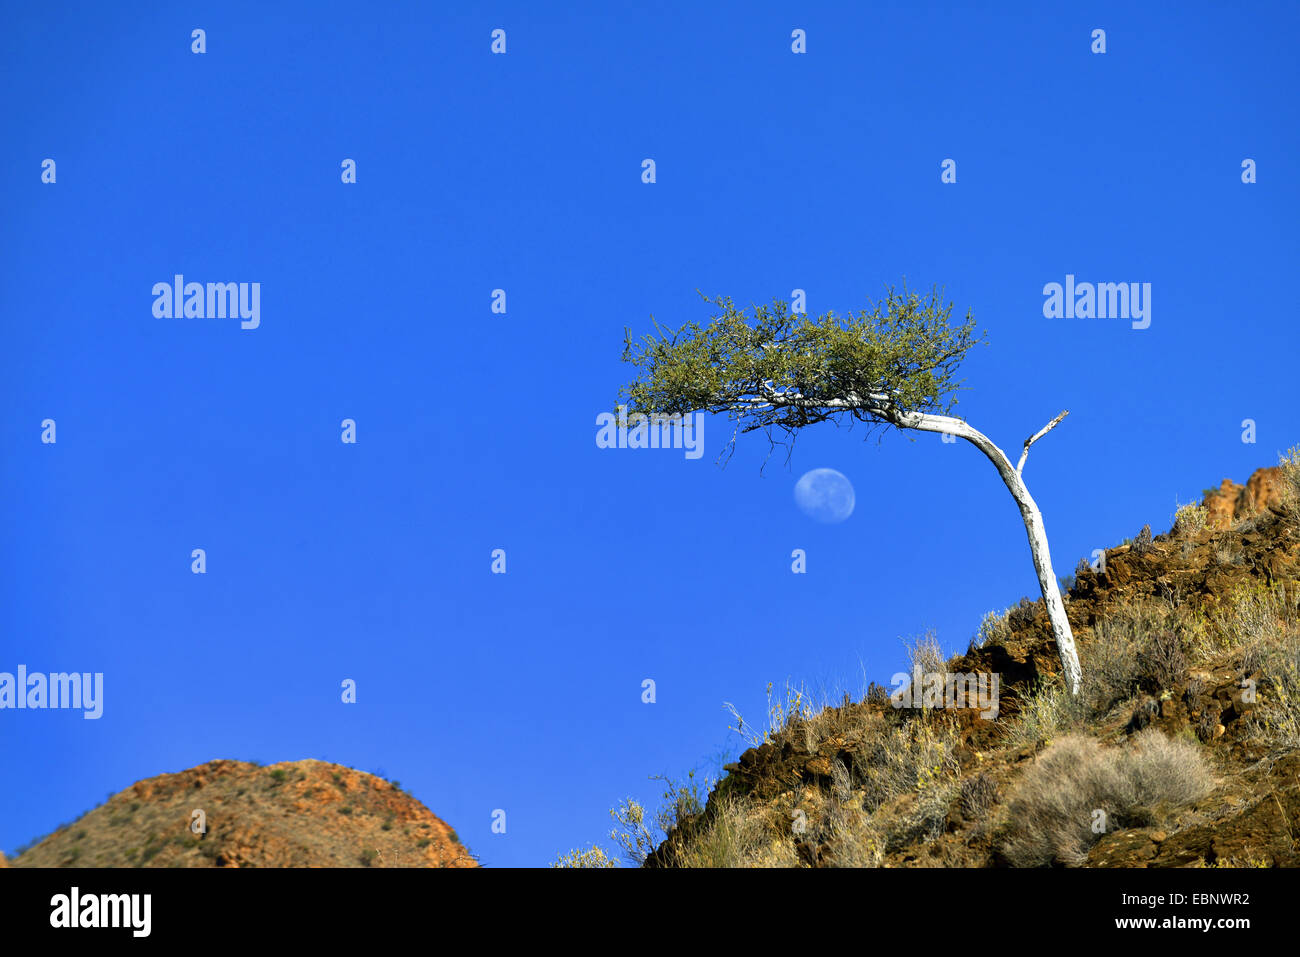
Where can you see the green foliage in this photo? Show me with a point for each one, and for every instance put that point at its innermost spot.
(783, 370)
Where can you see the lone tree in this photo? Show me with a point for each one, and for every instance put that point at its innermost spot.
(780, 372)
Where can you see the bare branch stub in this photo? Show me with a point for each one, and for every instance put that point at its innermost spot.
(1036, 436)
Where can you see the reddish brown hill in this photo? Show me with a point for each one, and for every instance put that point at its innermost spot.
(292, 814)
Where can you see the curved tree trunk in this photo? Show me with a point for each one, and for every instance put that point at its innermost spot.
(1032, 517)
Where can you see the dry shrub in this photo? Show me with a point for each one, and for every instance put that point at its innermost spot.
(1207, 724)
(593, 856)
(1161, 662)
(1189, 520)
(1256, 620)
(1020, 617)
(1196, 690)
(1227, 556)
(854, 838)
(639, 831)
(1264, 623)
(978, 795)
(1052, 813)
(877, 694)
(1290, 466)
(994, 630)
(925, 655)
(1164, 771)
(924, 819)
(906, 762)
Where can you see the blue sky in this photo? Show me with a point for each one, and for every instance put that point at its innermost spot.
(475, 430)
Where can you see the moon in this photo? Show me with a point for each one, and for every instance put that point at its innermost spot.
(825, 495)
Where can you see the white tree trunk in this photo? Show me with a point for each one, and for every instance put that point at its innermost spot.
(881, 406)
(1033, 519)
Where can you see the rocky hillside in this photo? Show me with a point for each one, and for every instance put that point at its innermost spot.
(292, 814)
(1182, 749)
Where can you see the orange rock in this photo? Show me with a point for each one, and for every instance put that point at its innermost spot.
(1262, 490)
(1232, 502)
(1221, 506)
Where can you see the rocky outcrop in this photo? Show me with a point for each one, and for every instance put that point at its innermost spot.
(1232, 502)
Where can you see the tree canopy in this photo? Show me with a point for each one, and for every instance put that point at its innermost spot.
(781, 370)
